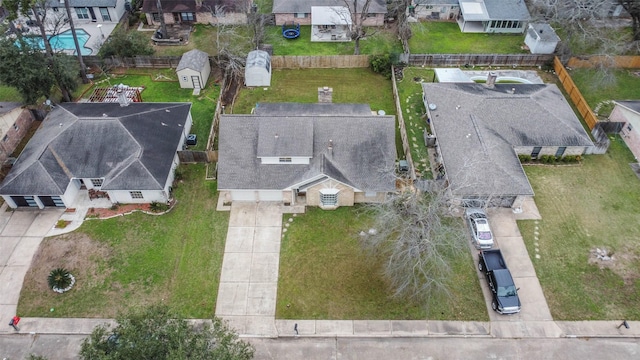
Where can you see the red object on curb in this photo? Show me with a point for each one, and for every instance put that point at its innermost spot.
(16, 320)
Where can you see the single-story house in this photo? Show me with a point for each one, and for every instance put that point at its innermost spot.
(434, 9)
(481, 129)
(628, 112)
(330, 23)
(15, 122)
(323, 154)
(541, 39)
(197, 11)
(493, 16)
(125, 153)
(193, 69)
(299, 11)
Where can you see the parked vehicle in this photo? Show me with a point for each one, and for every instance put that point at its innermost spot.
(481, 234)
(505, 294)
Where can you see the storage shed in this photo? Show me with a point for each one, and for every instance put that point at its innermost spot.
(258, 69)
(193, 69)
(541, 39)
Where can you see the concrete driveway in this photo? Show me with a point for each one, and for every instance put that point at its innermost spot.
(21, 232)
(249, 278)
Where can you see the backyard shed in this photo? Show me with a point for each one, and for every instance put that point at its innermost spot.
(257, 72)
(193, 69)
(541, 39)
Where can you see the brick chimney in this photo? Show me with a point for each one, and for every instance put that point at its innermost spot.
(325, 95)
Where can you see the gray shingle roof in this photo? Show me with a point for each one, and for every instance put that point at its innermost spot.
(6, 107)
(193, 59)
(363, 153)
(314, 109)
(544, 31)
(631, 104)
(507, 9)
(131, 147)
(478, 127)
(304, 6)
(83, 3)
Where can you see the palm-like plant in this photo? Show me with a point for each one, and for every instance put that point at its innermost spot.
(59, 278)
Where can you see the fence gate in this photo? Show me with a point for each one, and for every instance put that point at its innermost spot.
(188, 156)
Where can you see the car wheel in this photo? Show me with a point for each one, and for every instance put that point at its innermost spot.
(480, 267)
(494, 305)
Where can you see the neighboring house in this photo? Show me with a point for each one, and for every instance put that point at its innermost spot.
(193, 69)
(435, 9)
(493, 16)
(197, 11)
(541, 39)
(325, 155)
(330, 23)
(126, 153)
(257, 71)
(481, 129)
(15, 122)
(82, 12)
(628, 112)
(299, 11)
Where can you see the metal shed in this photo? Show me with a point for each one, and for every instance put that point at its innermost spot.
(541, 39)
(258, 69)
(193, 69)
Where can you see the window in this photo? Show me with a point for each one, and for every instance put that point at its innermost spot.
(301, 15)
(187, 16)
(536, 152)
(96, 182)
(55, 9)
(105, 14)
(82, 13)
(15, 127)
(560, 151)
(5, 138)
(329, 197)
(155, 16)
(284, 160)
(136, 194)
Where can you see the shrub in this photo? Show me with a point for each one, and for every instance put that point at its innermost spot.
(381, 64)
(126, 44)
(59, 278)
(158, 207)
(524, 158)
(61, 224)
(115, 206)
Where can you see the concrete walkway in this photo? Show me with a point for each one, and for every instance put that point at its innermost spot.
(249, 277)
(21, 232)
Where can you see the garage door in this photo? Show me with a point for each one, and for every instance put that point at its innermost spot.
(51, 201)
(270, 195)
(24, 201)
(248, 195)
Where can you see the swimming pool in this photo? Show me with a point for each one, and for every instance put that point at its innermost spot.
(64, 41)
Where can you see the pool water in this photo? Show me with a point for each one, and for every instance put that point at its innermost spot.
(64, 41)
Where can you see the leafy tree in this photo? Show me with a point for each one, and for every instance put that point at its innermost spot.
(633, 8)
(155, 333)
(415, 241)
(126, 44)
(26, 69)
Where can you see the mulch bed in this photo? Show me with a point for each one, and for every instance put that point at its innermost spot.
(120, 210)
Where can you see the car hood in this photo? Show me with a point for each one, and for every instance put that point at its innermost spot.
(509, 301)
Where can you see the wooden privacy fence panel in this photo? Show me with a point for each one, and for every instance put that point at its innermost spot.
(188, 156)
(155, 62)
(403, 130)
(431, 60)
(626, 62)
(333, 61)
(574, 93)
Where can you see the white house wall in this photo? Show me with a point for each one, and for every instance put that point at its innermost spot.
(631, 131)
(149, 196)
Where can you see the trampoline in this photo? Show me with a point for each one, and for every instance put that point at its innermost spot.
(290, 30)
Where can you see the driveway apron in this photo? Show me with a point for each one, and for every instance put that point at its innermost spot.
(21, 232)
(249, 277)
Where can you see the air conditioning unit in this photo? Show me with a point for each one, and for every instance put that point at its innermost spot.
(192, 140)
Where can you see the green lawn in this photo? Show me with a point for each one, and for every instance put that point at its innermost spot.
(381, 41)
(625, 87)
(324, 274)
(433, 37)
(595, 205)
(359, 86)
(167, 89)
(174, 258)
(8, 93)
(202, 38)
(410, 92)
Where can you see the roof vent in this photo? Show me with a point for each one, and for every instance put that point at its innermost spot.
(122, 95)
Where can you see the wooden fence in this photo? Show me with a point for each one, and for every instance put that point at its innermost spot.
(574, 93)
(403, 130)
(155, 62)
(625, 62)
(189, 156)
(325, 62)
(431, 60)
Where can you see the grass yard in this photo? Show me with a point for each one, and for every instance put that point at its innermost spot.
(382, 41)
(434, 37)
(596, 205)
(410, 93)
(202, 38)
(359, 86)
(9, 94)
(161, 85)
(625, 87)
(324, 274)
(139, 259)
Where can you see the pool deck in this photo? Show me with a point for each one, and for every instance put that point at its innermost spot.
(98, 34)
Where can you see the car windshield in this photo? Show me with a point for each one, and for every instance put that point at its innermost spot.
(504, 291)
(484, 235)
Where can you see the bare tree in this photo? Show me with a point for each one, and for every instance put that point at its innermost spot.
(398, 9)
(633, 8)
(358, 11)
(163, 25)
(83, 69)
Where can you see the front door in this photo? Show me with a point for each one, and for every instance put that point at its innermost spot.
(93, 14)
(196, 82)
